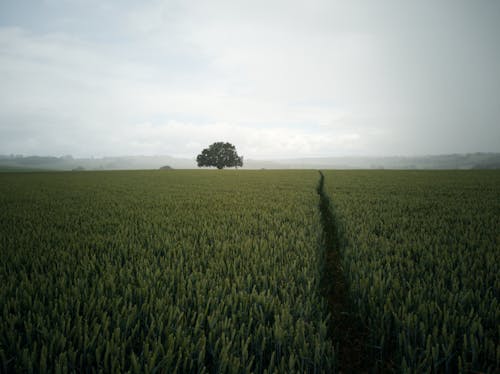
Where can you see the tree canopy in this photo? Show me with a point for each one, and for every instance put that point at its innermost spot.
(220, 155)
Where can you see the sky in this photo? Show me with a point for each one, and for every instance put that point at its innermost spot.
(278, 79)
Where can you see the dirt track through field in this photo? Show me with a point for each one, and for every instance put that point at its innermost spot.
(346, 331)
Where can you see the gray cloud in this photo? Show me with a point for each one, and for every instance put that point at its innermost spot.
(280, 79)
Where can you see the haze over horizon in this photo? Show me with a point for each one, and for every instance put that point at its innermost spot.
(279, 79)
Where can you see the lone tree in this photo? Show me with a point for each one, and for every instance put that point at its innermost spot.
(220, 155)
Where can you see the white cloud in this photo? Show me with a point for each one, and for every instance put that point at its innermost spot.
(83, 89)
(279, 79)
(187, 139)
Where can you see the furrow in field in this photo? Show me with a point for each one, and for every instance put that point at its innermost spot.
(346, 331)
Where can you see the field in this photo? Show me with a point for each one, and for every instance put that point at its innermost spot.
(224, 271)
(421, 255)
(162, 271)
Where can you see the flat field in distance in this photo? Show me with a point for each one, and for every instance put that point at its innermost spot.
(421, 255)
(167, 271)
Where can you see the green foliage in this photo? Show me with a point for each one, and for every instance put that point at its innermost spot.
(220, 155)
(421, 254)
(147, 271)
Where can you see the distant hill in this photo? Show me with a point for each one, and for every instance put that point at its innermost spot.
(451, 161)
(104, 163)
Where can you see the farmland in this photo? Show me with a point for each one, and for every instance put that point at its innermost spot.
(179, 271)
(421, 256)
(224, 271)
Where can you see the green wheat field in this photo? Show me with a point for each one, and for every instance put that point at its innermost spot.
(209, 271)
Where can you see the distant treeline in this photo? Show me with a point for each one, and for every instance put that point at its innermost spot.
(450, 161)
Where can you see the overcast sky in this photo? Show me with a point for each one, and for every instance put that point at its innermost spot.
(276, 78)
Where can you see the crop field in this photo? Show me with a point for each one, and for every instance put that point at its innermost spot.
(150, 271)
(224, 271)
(421, 255)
